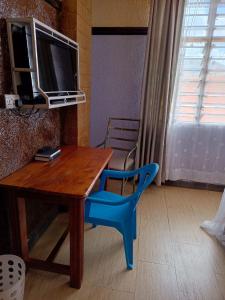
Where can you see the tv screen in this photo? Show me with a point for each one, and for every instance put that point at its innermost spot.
(57, 64)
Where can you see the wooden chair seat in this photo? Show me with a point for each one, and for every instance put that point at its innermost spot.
(118, 163)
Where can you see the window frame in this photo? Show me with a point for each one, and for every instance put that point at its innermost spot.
(208, 43)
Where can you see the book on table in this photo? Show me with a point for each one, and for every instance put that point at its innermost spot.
(47, 153)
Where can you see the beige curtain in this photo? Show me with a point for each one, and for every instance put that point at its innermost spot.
(159, 75)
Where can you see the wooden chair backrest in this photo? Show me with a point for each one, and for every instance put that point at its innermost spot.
(122, 133)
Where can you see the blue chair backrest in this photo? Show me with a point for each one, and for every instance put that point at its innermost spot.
(146, 176)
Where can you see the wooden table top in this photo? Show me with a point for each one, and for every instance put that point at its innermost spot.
(72, 174)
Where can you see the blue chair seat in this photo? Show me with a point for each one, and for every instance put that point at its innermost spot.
(108, 213)
(113, 210)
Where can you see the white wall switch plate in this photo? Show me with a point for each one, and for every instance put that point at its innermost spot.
(10, 101)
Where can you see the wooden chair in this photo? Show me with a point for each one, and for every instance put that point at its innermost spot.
(122, 137)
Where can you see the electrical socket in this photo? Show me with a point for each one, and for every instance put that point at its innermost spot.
(10, 101)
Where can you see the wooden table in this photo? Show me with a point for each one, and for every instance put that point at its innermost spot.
(67, 180)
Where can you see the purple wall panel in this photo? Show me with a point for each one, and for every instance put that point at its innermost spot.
(117, 68)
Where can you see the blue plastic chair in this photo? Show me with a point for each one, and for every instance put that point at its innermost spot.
(113, 210)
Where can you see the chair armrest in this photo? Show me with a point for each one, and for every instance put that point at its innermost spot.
(129, 155)
(100, 145)
(110, 203)
(115, 174)
(120, 174)
(132, 151)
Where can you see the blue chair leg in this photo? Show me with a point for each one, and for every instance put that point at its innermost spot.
(87, 209)
(134, 225)
(128, 247)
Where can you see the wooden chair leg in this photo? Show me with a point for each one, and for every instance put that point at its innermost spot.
(134, 185)
(122, 187)
(23, 228)
(76, 228)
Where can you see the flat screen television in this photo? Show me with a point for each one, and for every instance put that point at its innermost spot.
(44, 63)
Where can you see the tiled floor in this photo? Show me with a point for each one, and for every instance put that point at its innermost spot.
(174, 258)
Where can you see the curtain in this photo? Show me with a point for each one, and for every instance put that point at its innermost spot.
(159, 76)
(196, 134)
(216, 226)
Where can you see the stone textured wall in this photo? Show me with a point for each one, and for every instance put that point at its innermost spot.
(20, 138)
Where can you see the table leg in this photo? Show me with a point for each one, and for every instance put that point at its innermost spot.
(12, 215)
(23, 228)
(76, 211)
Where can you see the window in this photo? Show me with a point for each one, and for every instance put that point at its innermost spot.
(200, 84)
